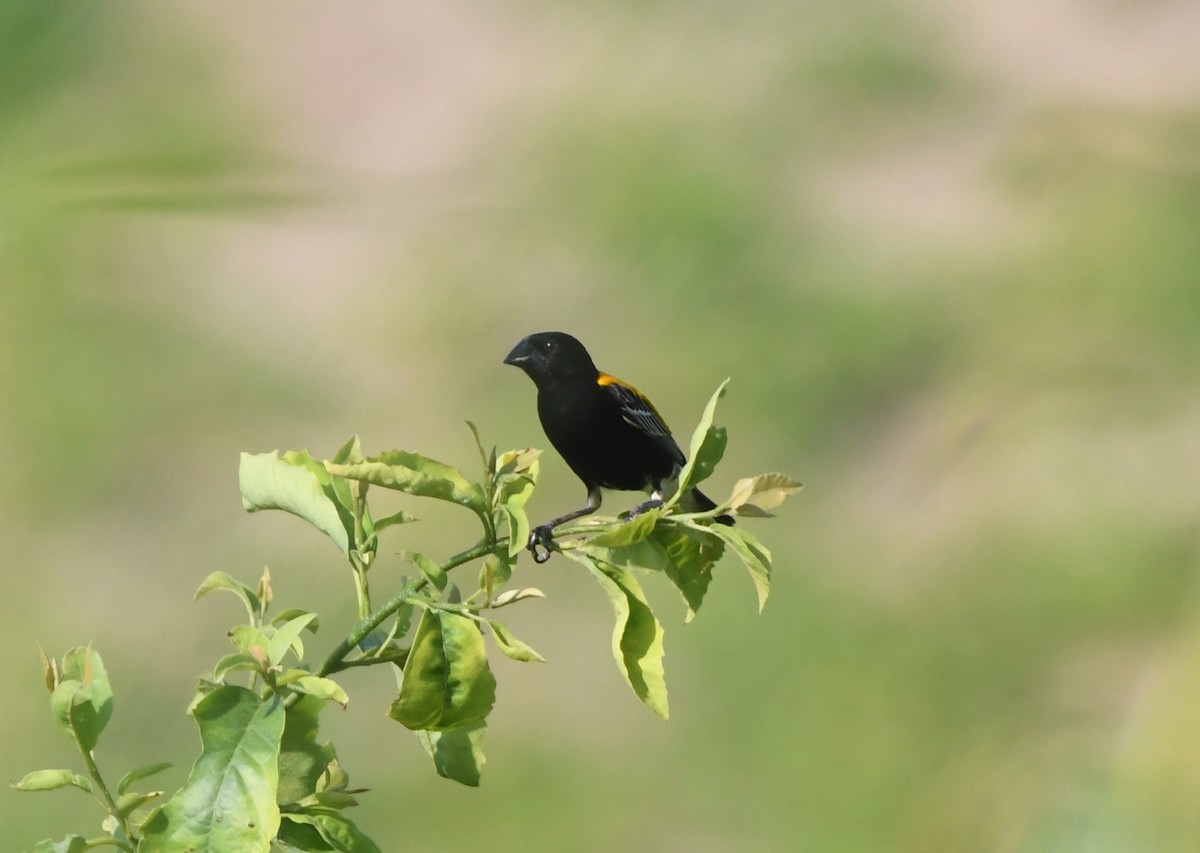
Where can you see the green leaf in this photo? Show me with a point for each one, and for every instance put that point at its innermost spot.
(127, 804)
(350, 452)
(392, 520)
(75, 714)
(690, 559)
(754, 554)
(631, 532)
(335, 778)
(495, 572)
(706, 449)
(302, 760)
(333, 799)
(50, 670)
(646, 554)
(429, 567)
(488, 459)
(228, 802)
(83, 664)
(139, 773)
(343, 492)
(516, 479)
(52, 780)
(447, 681)
(322, 688)
(265, 593)
(224, 581)
(300, 837)
(293, 484)
(340, 491)
(514, 465)
(512, 596)
(511, 646)
(290, 676)
(83, 700)
(518, 528)
(458, 753)
(70, 844)
(756, 496)
(335, 829)
(251, 641)
(637, 636)
(287, 636)
(294, 612)
(415, 475)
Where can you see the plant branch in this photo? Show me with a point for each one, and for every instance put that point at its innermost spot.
(336, 660)
(109, 803)
(360, 557)
(361, 590)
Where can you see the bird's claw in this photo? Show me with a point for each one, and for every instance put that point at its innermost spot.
(646, 506)
(540, 537)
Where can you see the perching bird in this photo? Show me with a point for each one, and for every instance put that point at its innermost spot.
(606, 430)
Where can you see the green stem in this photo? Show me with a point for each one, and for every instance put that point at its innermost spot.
(360, 556)
(362, 629)
(361, 589)
(595, 526)
(109, 803)
(397, 658)
(368, 624)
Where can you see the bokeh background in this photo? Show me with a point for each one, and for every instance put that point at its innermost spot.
(948, 253)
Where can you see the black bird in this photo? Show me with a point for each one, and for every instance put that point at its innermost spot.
(606, 430)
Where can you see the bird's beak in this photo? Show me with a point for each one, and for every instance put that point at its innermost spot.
(520, 353)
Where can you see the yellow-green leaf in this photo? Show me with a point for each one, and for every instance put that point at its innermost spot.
(446, 681)
(637, 635)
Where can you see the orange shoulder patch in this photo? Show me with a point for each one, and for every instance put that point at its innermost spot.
(607, 379)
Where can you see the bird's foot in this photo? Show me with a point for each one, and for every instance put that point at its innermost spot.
(645, 506)
(541, 537)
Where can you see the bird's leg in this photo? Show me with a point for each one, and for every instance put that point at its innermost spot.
(656, 500)
(541, 535)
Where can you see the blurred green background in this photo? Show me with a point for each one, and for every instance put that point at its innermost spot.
(948, 253)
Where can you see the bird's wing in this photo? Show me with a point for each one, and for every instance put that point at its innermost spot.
(639, 412)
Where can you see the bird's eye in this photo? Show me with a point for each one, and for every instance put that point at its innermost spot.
(548, 346)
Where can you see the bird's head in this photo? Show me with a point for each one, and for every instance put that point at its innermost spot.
(552, 355)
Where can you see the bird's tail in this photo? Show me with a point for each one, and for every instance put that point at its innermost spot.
(697, 501)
